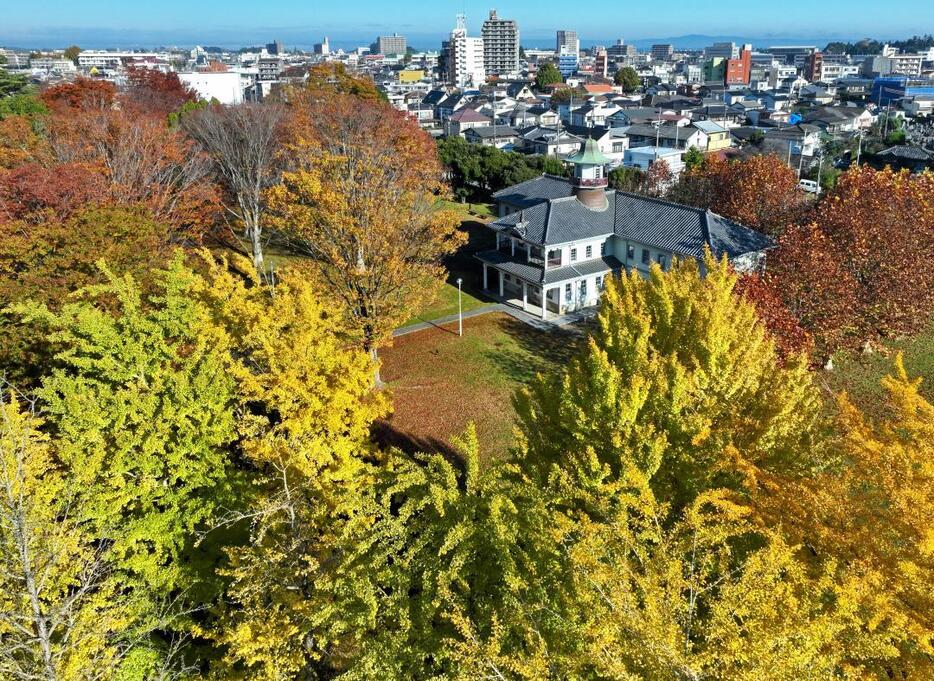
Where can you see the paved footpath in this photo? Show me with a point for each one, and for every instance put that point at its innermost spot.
(553, 322)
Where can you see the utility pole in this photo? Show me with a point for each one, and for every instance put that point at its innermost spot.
(801, 154)
(494, 116)
(460, 309)
(859, 145)
(820, 164)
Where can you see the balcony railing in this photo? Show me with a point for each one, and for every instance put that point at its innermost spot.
(590, 183)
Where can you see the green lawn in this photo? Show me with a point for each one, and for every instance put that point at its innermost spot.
(445, 303)
(440, 382)
(860, 375)
(482, 211)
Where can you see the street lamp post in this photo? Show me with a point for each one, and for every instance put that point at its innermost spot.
(460, 309)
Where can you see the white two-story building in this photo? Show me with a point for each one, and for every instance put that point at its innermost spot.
(557, 240)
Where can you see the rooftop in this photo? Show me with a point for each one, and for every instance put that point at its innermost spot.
(551, 215)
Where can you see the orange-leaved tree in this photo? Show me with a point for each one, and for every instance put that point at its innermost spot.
(760, 191)
(363, 200)
(143, 162)
(881, 224)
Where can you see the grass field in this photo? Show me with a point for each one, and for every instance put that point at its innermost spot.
(860, 375)
(440, 382)
(482, 211)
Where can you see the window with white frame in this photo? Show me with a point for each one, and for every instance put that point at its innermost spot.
(630, 252)
(573, 255)
(646, 256)
(567, 293)
(588, 252)
(603, 248)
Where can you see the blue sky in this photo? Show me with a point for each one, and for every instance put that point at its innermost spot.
(98, 23)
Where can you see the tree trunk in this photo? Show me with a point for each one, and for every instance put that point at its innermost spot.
(377, 378)
(257, 249)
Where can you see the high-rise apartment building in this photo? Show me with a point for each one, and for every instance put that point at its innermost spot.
(389, 44)
(500, 46)
(738, 71)
(621, 49)
(662, 51)
(723, 50)
(568, 40)
(465, 57)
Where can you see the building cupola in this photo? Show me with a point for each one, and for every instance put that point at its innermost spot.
(590, 176)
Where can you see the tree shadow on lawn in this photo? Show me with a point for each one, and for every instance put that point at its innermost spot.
(537, 352)
(387, 436)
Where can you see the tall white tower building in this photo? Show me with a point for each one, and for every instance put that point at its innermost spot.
(465, 60)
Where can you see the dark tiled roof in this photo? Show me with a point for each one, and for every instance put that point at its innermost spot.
(536, 274)
(487, 131)
(583, 269)
(535, 191)
(468, 115)
(512, 265)
(560, 218)
(907, 153)
(596, 132)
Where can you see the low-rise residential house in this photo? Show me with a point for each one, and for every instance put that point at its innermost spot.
(545, 115)
(915, 159)
(673, 136)
(720, 114)
(611, 142)
(451, 104)
(718, 137)
(836, 119)
(500, 136)
(547, 141)
(557, 240)
(592, 114)
(464, 119)
(918, 106)
(645, 157)
(520, 90)
(776, 101)
(636, 116)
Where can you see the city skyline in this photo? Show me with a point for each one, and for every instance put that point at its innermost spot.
(172, 22)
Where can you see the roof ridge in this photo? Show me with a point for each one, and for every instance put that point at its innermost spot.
(547, 223)
(655, 199)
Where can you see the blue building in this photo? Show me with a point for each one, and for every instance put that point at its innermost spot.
(568, 62)
(892, 88)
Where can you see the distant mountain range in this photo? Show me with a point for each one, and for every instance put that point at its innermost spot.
(305, 37)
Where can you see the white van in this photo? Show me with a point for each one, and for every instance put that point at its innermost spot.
(809, 186)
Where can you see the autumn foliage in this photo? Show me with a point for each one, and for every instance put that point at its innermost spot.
(860, 268)
(156, 92)
(362, 198)
(84, 94)
(760, 192)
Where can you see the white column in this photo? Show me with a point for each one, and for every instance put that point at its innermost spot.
(525, 297)
(513, 243)
(501, 284)
(544, 303)
(485, 284)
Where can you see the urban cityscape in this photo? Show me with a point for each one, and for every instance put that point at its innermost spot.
(475, 356)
